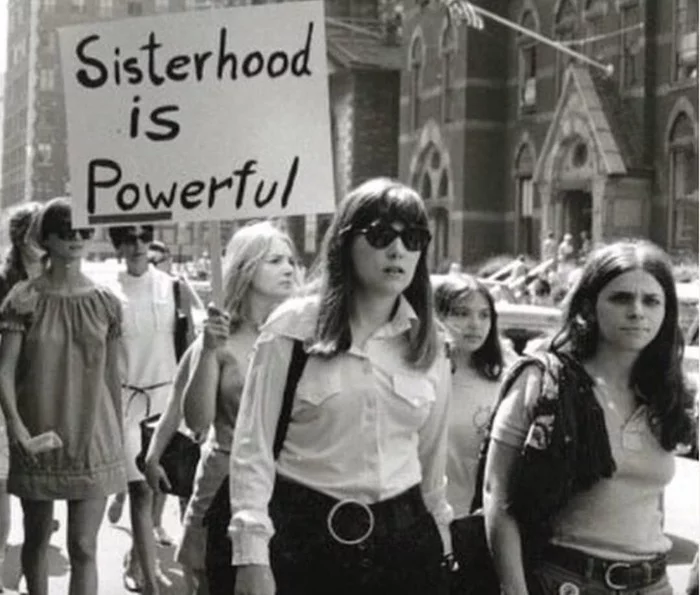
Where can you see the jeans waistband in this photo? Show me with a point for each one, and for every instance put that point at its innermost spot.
(614, 574)
(348, 521)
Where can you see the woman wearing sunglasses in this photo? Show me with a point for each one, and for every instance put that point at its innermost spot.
(148, 364)
(356, 498)
(59, 372)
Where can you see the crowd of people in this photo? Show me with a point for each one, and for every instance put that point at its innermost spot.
(352, 426)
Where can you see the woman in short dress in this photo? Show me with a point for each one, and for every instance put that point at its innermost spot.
(59, 371)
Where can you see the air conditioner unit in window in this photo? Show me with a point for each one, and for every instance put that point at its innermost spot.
(688, 49)
(530, 91)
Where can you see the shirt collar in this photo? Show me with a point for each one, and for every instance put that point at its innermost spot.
(404, 319)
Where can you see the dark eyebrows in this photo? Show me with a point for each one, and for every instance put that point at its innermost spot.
(621, 293)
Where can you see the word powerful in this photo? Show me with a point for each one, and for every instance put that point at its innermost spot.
(105, 186)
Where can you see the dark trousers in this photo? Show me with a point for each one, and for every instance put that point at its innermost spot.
(221, 575)
(402, 555)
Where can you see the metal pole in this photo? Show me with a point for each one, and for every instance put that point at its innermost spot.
(607, 68)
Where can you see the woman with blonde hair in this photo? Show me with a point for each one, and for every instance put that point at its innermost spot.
(259, 273)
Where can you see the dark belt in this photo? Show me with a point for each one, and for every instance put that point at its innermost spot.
(617, 575)
(349, 521)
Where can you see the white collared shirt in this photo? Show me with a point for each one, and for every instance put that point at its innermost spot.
(364, 425)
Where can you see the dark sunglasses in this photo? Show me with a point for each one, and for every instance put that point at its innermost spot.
(380, 235)
(68, 233)
(146, 237)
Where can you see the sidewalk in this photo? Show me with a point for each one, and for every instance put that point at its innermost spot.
(114, 540)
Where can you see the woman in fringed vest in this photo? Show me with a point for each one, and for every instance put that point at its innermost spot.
(582, 444)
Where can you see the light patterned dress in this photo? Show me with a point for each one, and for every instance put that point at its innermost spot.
(61, 386)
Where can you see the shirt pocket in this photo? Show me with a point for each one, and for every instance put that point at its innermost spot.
(318, 388)
(414, 397)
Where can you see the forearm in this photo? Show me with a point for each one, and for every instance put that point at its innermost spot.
(8, 398)
(199, 399)
(165, 429)
(503, 535)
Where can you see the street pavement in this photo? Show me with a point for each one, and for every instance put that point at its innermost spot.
(682, 522)
(114, 541)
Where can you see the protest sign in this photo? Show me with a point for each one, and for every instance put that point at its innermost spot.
(199, 116)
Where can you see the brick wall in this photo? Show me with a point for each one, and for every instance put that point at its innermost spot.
(375, 125)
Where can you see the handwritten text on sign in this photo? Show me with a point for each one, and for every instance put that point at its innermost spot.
(205, 115)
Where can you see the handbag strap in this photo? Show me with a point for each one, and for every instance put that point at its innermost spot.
(296, 367)
(176, 293)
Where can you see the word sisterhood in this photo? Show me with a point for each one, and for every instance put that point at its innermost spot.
(153, 64)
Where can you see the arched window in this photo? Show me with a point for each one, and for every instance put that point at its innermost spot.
(683, 179)
(565, 22)
(416, 67)
(527, 65)
(525, 232)
(448, 49)
(432, 180)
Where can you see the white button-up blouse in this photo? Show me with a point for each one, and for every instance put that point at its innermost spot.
(365, 425)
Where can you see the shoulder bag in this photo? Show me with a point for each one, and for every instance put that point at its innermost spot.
(181, 455)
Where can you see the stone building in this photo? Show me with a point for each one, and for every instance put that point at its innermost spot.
(507, 138)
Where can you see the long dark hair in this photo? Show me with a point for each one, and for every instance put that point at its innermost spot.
(451, 291)
(379, 198)
(657, 376)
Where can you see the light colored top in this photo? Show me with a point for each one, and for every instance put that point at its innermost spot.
(472, 401)
(61, 386)
(147, 350)
(619, 517)
(364, 425)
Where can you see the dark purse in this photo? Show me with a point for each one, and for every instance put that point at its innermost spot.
(179, 459)
(181, 455)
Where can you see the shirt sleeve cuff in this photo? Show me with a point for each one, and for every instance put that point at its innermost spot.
(250, 548)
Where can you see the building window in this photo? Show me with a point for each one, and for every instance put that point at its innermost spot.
(432, 181)
(106, 8)
(683, 170)
(565, 21)
(594, 14)
(162, 5)
(525, 232)
(416, 67)
(448, 49)
(77, 5)
(47, 79)
(43, 153)
(134, 8)
(686, 40)
(630, 51)
(527, 65)
(48, 5)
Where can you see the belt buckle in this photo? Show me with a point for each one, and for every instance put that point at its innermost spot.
(333, 511)
(608, 579)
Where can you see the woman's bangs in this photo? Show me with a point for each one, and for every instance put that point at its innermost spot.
(395, 204)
